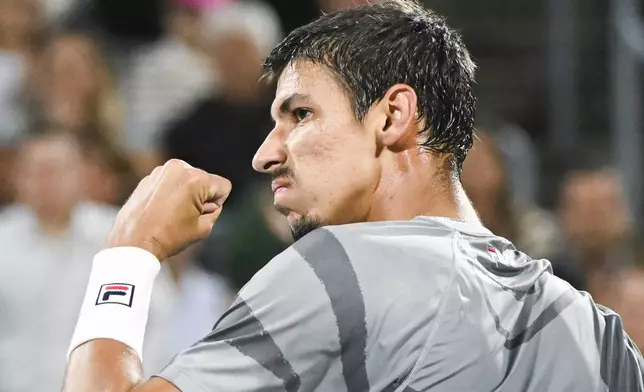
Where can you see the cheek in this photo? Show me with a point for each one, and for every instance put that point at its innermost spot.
(313, 162)
(333, 169)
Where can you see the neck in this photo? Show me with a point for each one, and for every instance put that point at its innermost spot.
(417, 188)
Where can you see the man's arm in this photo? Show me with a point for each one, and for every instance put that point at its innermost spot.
(108, 365)
(172, 208)
(279, 334)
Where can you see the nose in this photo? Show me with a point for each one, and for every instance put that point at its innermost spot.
(271, 155)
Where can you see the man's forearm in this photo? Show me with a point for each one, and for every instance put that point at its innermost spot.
(170, 209)
(107, 345)
(103, 365)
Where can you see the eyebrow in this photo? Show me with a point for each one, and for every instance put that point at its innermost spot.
(287, 104)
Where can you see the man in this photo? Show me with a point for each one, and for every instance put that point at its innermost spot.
(167, 79)
(401, 290)
(46, 238)
(222, 131)
(599, 238)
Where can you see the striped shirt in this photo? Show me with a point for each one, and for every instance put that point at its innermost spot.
(429, 304)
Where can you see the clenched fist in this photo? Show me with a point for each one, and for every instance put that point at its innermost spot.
(173, 207)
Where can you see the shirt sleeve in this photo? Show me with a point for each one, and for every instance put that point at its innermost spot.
(279, 335)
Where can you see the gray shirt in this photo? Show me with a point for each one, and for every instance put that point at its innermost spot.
(429, 304)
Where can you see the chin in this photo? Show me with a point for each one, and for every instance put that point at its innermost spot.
(302, 225)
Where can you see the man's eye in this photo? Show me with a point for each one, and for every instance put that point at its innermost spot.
(301, 114)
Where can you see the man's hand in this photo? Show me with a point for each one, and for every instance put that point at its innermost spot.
(173, 207)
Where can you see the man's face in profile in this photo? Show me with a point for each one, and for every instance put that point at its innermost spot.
(322, 159)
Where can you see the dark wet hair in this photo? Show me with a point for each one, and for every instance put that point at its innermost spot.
(375, 46)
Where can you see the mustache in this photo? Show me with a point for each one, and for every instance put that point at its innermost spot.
(283, 172)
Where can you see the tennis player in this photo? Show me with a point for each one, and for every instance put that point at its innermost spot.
(393, 284)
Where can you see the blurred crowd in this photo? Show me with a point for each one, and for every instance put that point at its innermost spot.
(95, 93)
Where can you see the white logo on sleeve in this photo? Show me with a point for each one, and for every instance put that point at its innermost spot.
(116, 293)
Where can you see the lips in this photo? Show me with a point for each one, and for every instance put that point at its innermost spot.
(279, 185)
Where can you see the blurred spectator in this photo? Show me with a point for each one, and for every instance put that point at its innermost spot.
(168, 78)
(21, 28)
(337, 5)
(596, 220)
(21, 32)
(108, 175)
(522, 162)
(201, 297)
(74, 89)
(124, 21)
(6, 164)
(48, 239)
(596, 225)
(57, 10)
(222, 132)
(21, 25)
(599, 239)
(186, 303)
(486, 182)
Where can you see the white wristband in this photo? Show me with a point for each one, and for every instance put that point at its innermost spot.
(118, 298)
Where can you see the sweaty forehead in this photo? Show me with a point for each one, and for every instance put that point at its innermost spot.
(306, 78)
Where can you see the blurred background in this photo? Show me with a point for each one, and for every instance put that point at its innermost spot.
(95, 93)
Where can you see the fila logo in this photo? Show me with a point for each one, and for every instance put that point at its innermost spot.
(116, 293)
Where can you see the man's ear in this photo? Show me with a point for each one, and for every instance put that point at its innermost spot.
(399, 106)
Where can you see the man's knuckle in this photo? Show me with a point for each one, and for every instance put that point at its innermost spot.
(227, 185)
(193, 182)
(174, 163)
(155, 171)
(222, 182)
